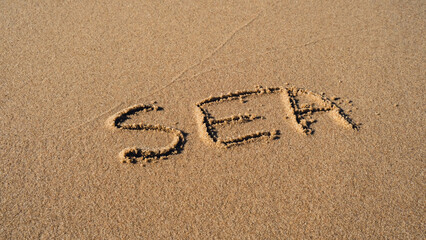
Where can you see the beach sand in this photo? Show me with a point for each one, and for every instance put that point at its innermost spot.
(212, 119)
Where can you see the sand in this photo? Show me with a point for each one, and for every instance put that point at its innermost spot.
(219, 119)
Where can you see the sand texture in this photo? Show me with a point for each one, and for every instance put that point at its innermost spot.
(212, 119)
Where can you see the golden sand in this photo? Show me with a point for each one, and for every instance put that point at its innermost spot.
(139, 120)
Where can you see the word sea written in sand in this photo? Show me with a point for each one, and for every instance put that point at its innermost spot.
(300, 114)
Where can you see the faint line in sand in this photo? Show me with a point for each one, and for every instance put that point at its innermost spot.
(177, 77)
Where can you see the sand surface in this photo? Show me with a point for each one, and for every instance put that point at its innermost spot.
(250, 120)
